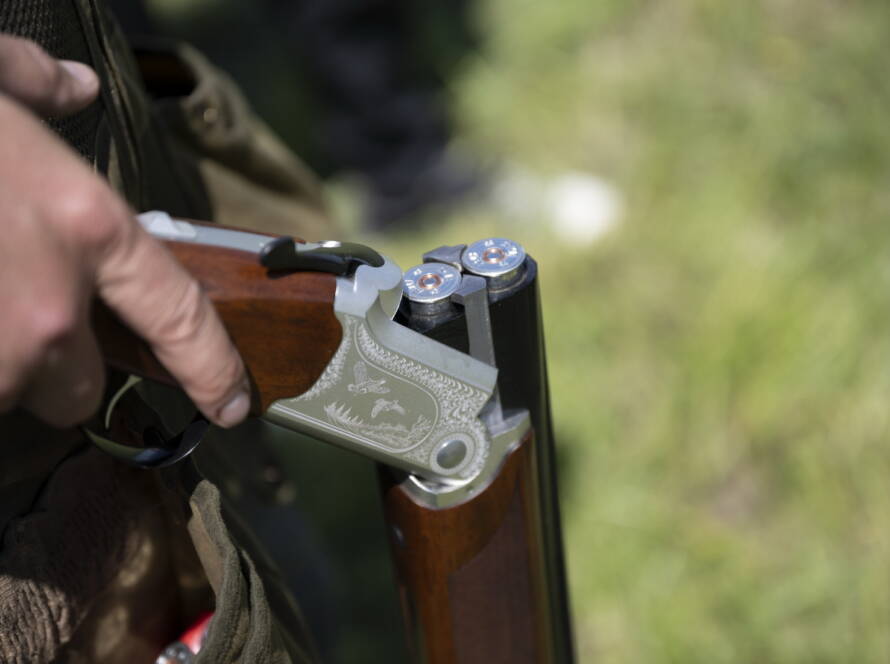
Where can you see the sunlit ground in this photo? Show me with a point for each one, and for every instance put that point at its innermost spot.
(706, 186)
(720, 356)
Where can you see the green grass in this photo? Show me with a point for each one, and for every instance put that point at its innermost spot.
(721, 361)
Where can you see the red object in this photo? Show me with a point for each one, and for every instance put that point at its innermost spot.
(193, 637)
(183, 650)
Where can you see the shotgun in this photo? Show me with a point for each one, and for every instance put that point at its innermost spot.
(439, 375)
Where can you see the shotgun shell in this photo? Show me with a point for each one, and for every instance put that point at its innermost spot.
(497, 259)
(429, 285)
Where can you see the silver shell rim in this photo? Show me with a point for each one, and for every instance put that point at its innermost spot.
(514, 257)
(415, 292)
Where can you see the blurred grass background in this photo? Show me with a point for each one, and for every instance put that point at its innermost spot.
(719, 360)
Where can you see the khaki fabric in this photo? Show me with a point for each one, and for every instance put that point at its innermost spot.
(251, 178)
(255, 620)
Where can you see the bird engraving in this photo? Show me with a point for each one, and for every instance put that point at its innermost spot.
(383, 406)
(364, 384)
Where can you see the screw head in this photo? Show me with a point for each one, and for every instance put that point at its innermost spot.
(493, 257)
(451, 453)
(430, 282)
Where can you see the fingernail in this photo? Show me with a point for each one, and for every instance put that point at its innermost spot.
(83, 73)
(234, 411)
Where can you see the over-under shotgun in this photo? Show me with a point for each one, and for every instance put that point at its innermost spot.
(446, 388)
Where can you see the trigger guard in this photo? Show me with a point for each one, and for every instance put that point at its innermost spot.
(156, 456)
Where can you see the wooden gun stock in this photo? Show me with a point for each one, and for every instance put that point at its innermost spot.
(473, 576)
(283, 326)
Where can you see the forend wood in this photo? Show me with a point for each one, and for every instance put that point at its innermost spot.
(472, 576)
(283, 324)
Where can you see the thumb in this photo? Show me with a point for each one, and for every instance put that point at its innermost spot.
(42, 83)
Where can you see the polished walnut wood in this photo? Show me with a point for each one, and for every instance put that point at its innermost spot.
(283, 325)
(472, 576)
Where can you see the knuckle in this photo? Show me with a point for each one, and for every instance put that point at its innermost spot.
(68, 388)
(183, 318)
(89, 213)
(90, 390)
(51, 323)
(81, 408)
(186, 328)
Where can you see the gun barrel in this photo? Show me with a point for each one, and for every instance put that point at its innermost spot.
(522, 558)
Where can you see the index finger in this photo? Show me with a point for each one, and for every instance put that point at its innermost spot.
(151, 292)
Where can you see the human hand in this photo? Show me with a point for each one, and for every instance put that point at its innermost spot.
(67, 237)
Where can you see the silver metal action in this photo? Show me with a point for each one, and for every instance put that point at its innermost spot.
(473, 296)
(498, 259)
(393, 394)
(163, 226)
(446, 254)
